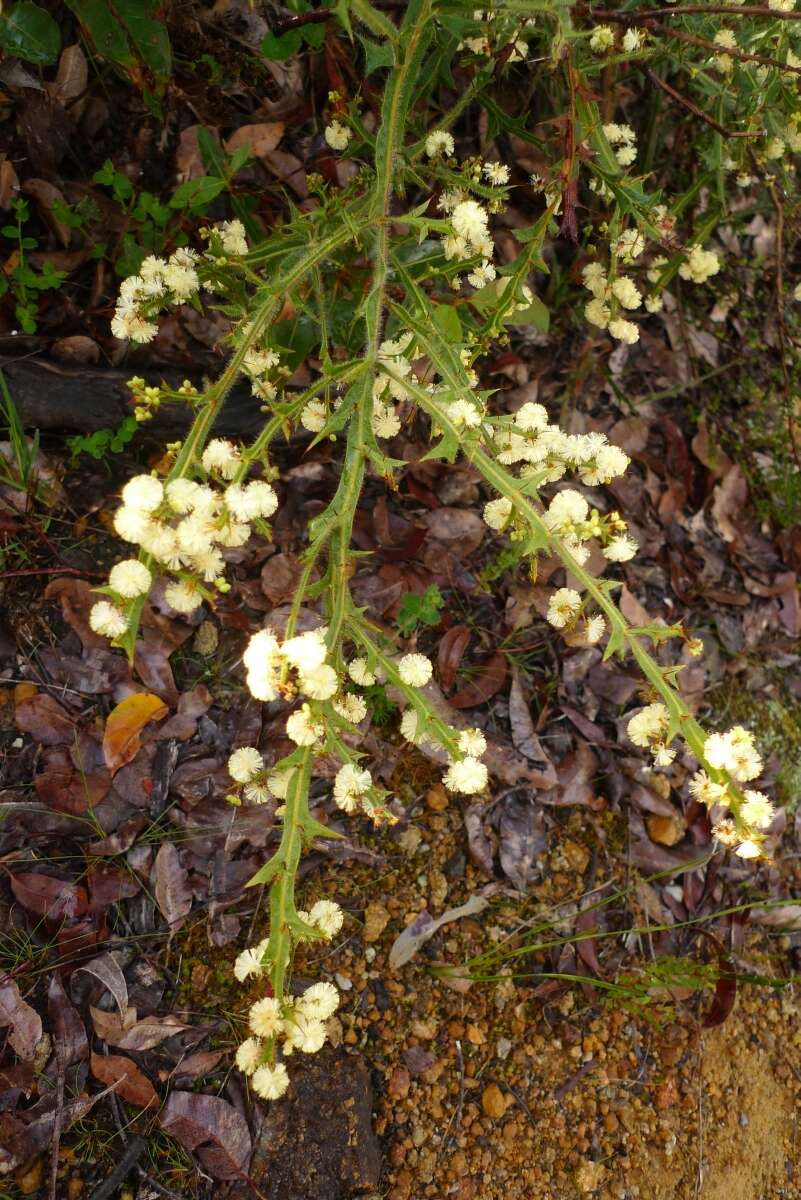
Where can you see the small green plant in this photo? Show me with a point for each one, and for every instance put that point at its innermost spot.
(419, 610)
(103, 441)
(19, 472)
(22, 280)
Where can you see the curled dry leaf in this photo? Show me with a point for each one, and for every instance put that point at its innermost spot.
(123, 1075)
(77, 599)
(121, 740)
(260, 139)
(123, 1029)
(213, 1129)
(23, 1021)
(414, 936)
(106, 968)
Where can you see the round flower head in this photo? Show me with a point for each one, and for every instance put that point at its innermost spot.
(497, 513)
(470, 222)
(307, 651)
(350, 784)
(624, 331)
(563, 607)
(497, 173)
(318, 1002)
(302, 729)
(143, 493)
(257, 499)
(130, 578)
(131, 523)
(468, 776)
(303, 1033)
(221, 457)
(107, 620)
(321, 683)
(627, 292)
(568, 508)
(748, 849)
(360, 673)
(265, 1018)
(244, 764)
(182, 596)
(248, 963)
(594, 629)
(248, 1055)
(620, 549)
(327, 916)
(415, 670)
(734, 752)
(472, 742)
(439, 141)
(232, 235)
(314, 416)
(337, 135)
(649, 725)
(757, 810)
(352, 708)
(278, 782)
(531, 417)
(270, 1081)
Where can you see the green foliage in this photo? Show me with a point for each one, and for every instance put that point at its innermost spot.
(103, 441)
(23, 452)
(22, 280)
(419, 610)
(29, 32)
(130, 34)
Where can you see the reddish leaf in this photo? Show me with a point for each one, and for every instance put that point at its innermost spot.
(45, 720)
(77, 941)
(63, 787)
(212, 1127)
(451, 650)
(196, 1065)
(121, 740)
(725, 995)
(490, 680)
(125, 1078)
(24, 1022)
(172, 890)
(575, 773)
(67, 1024)
(108, 885)
(49, 897)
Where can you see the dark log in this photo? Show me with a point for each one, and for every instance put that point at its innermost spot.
(56, 398)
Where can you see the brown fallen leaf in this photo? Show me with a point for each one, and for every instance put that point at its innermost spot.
(121, 740)
(213, 1129)
(106, 968)
(45, 720)
(67, 1024)
(524, 735)
(450, 652)
(172, 891)
(523, 840)
(123, 1075)
(259, 139)
(48, 896)
(194, 1066)
(489, 680)
(23, 1021)
(72, 75)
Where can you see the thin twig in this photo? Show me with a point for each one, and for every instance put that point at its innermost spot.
(692, 39)
(780, 323)
(691, 107)
(58, 1122)
(687, 10)
(52, 571)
